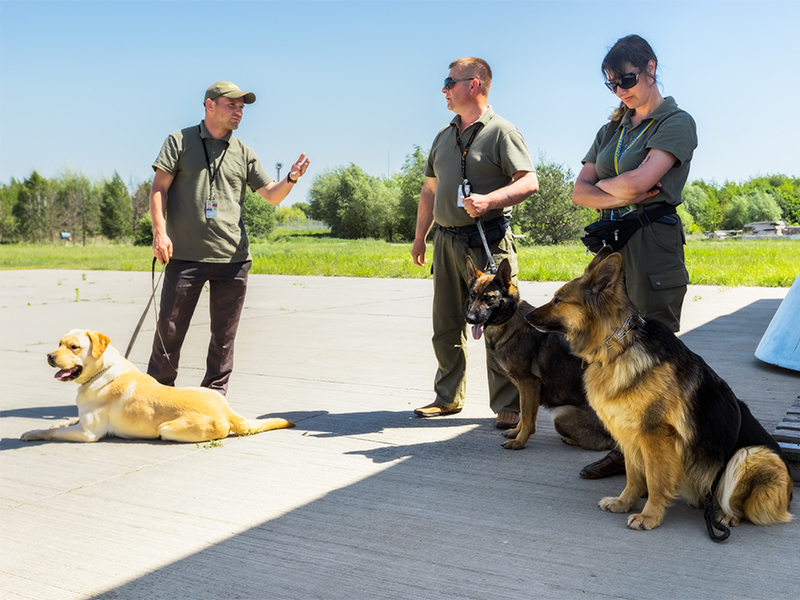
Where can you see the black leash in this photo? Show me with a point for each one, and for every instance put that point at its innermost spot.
(146, 308)
(486, 245)
(466, 184)
(710, 513)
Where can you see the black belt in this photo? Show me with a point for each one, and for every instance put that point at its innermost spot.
(650, 211)
(469, 229)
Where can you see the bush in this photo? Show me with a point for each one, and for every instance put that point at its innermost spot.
(258, 215)
(549, 217)
(144, 231)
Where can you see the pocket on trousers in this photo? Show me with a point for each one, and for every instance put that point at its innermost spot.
(668, 279)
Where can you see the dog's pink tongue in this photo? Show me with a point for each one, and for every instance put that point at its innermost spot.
(63, 374)
(477, 331)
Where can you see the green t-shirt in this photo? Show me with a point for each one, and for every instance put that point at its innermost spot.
(196, 237)
(497, 152)
(672, 130)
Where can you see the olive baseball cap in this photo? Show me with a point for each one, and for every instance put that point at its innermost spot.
(229, 90)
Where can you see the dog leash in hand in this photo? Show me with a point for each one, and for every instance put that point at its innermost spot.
(486, 245)
(146, 308)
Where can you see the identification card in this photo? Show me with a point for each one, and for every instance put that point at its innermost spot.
(464, 190)
(211, 208)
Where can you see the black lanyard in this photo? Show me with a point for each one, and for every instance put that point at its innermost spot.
(464, 152)
(212, 175)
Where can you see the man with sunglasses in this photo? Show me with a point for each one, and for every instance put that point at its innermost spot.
(198, 192)
(478, 168)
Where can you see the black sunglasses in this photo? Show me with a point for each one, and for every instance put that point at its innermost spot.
(450, 83)
(626, 82)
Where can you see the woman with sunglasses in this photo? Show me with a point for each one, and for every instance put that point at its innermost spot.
(639, 163)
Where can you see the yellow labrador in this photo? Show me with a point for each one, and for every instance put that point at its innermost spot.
(115, 398)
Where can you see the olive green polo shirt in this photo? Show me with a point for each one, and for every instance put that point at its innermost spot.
(672, 130)
(497, 152)
(195, 237)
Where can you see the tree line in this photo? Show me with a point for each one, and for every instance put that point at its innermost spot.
(357, 205)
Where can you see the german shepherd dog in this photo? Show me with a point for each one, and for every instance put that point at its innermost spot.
(678, 423)
(539, 364)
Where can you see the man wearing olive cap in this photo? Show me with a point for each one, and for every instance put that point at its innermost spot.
(196, 200)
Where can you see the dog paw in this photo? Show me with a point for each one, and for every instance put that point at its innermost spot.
(511, 433)
(513, 445)
(642, 522)
(29, 436)
(615, 505)
(728, 520)
(569, 441)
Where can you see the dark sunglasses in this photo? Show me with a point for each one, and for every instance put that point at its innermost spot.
(450, 83)
(626, 82)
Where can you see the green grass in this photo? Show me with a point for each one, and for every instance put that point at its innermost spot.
(728, 263)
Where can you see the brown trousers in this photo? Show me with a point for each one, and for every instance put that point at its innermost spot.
(183, 283)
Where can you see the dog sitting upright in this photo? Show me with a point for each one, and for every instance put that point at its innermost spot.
(678, 423)
(539, 364)
(115, 398)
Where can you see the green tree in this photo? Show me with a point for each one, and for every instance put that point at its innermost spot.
(116, 210)
(549, 216)
(354, 204)
(77, 211)
(33, 210)
(258, 215)
(710, 209)
(408, 183)
(8, 222)
(303, 206)
(141, 205)
(289, 214)
(143, 236)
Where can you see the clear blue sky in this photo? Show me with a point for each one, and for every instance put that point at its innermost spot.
(95, 87)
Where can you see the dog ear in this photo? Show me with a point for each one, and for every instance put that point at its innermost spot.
(606, 273)
(601, 255)
(503, 276)
(472, 271)
(99, 343)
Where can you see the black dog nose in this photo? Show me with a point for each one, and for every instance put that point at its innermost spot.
(51, 359)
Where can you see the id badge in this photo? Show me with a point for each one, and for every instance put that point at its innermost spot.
(211, 208)
(464, 190)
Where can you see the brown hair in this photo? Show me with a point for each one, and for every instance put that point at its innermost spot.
(475, 67)
(631, 50)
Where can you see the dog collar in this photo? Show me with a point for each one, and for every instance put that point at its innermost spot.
(630, 323)
(96, 375)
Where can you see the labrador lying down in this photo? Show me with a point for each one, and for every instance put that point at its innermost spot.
(115, 398)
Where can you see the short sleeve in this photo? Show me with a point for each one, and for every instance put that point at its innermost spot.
(170, 154)
(514, 156)
(676, 134)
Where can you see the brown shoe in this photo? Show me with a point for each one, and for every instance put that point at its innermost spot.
(612, 463)
(435, 410)
(506, 419)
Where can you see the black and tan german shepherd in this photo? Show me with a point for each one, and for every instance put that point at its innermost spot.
(678, 423)
(539, 364)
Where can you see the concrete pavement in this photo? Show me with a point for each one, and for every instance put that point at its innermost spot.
(361, 499)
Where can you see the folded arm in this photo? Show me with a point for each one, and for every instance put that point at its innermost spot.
(627, 188)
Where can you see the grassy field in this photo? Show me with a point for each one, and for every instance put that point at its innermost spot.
(730, 263)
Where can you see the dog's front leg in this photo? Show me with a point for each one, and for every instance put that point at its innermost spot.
(529, 409)
(635, 486)
(69, 431)
(662, 463)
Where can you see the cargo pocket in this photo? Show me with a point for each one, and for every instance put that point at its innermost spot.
(668, 279)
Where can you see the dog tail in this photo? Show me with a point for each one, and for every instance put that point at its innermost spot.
(251, 426)
(756, 485)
